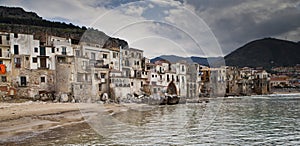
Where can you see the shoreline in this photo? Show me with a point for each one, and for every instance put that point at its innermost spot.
(21, 121)
(18, 121)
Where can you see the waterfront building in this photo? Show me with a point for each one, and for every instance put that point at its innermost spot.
(56, 69)
(5, 62)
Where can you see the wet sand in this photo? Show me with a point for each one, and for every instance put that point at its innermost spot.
(19, 121)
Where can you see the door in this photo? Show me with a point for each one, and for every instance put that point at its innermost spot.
(16, 49)
(23, 81)
(43, 62)
(42, 51)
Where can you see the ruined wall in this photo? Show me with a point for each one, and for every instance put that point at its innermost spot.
(64, 77)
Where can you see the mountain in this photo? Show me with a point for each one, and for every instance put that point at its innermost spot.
(200, 60)
(266, 53)
(17, 20)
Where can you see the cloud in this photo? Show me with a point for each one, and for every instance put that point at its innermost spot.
(236, 22)
(193, 25)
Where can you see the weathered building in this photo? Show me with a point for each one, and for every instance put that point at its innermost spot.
(193, 80)
(31, 72)
(218, 81)
(92, 71)
(6, 87)
(261, 82)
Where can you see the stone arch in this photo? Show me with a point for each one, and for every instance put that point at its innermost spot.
(172, 88)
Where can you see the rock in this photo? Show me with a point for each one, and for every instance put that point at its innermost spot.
(36, 97)
(44, 97)
(64, 98)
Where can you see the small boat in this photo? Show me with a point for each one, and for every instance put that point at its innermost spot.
(171, 96)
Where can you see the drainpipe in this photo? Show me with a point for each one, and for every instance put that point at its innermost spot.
(120, 60)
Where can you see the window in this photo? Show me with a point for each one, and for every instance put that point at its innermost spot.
(79, 77)
(137, 63)
(34, 60)
(7, 37)
(43, 79)
(77, 53)
(125, 52)
(27, 58)
(16, 49)
(131, 83)
(53, 50)
(126, 63)
(18, 62)
(64, 51)
(23, 81)
(154, 90)
(182, 68)
(104, 56)
(1, 61)
(93, 56)
(3, 78)
(57, 49)
(36, 50)
(15, 35)
(102, 75)
(86, 77)
(83, 64)
(115, 55)
(141, 84)
(0, 39)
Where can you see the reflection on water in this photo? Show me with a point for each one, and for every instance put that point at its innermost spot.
(235, 121)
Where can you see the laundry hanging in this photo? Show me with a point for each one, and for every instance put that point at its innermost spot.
(2, 69)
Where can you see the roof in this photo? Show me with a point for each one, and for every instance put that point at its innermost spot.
(159, 62)
(133, 49)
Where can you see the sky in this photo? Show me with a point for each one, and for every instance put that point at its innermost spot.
(203, 28)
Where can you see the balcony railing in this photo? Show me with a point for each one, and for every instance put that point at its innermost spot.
(5, 43)
(5, 55)
(43, 67)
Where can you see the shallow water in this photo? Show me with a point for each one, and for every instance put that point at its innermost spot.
(271, 120)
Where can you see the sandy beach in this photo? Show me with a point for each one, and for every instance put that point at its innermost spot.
(19, 119)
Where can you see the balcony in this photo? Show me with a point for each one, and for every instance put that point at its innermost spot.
(43, 68)
(99, 64)
(4, 55)
(5, 44)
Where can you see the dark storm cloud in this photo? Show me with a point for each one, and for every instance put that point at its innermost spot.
(235, 22)
(202, 5)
